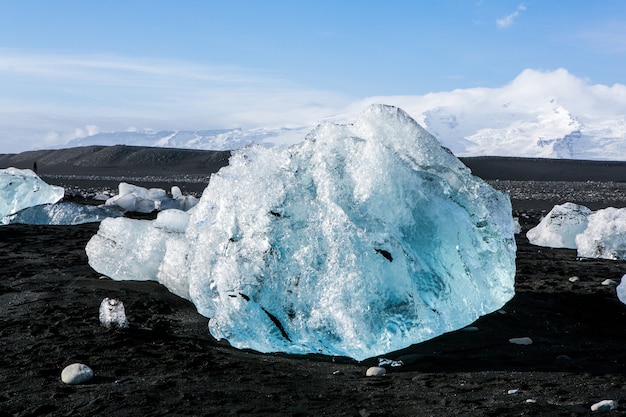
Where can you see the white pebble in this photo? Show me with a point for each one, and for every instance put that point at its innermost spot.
(512, 391)
(574, 279)
(521, 341)
(76, 373)
(609, 282)
(375, 371)
(531, 401)
(604, 405)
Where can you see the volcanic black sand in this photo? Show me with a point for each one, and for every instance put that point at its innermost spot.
(166, 363)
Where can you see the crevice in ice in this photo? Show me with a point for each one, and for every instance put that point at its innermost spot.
(386, 254)
(277, 323)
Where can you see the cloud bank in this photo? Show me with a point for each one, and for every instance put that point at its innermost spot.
(50, 99)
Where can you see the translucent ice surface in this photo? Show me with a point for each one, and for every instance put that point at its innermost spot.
(113, 314)
(61, 214)
(605, 235)
(559, 228)
(361, 240)
(22, 188)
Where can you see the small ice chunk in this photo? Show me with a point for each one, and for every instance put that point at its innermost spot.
(389, 362)
(134, 198)
(113, 314)
(605, 235)
(560, 226)
(609, 282)
(521, 341)
(604, 405)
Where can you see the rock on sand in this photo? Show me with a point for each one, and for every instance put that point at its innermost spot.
(76, 373)
(375, 371)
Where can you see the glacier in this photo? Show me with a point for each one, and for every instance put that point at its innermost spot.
(559, 228)
(363, 239)
(22, 188)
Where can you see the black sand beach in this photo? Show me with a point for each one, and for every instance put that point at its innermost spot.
(167, 364)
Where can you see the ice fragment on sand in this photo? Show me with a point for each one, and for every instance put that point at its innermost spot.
(604, 405)
(605, 235)
(359, 241)
(22, 188)
(521, 341)
(113, 314)
(138, 199)
(76, 373)
(559, 228)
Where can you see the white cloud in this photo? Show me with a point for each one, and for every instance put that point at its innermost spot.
(508, 20)
(49, 99)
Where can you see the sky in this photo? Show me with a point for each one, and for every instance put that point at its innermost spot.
(71, 68)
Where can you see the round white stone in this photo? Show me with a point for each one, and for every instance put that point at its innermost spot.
(76, 373)
(375, 371)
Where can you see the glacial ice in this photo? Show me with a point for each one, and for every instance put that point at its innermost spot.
(559, 228)
(605, 235)
(113, 314)
(361, 240)
(138, 199)
(22, 188)
(63, 213)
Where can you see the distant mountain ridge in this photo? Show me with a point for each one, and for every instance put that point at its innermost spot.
(216, 140)
(538, 115)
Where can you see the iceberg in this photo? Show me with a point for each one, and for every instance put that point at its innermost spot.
(605, 235)
(64, 213)
(22, 188)
(360, 240)
(559, 228)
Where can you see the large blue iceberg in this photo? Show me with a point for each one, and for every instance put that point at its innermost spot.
(361, 240)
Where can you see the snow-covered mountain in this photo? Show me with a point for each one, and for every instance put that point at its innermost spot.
(539, 114)
(219, 139)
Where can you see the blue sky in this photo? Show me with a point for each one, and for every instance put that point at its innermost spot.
(72, 67)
